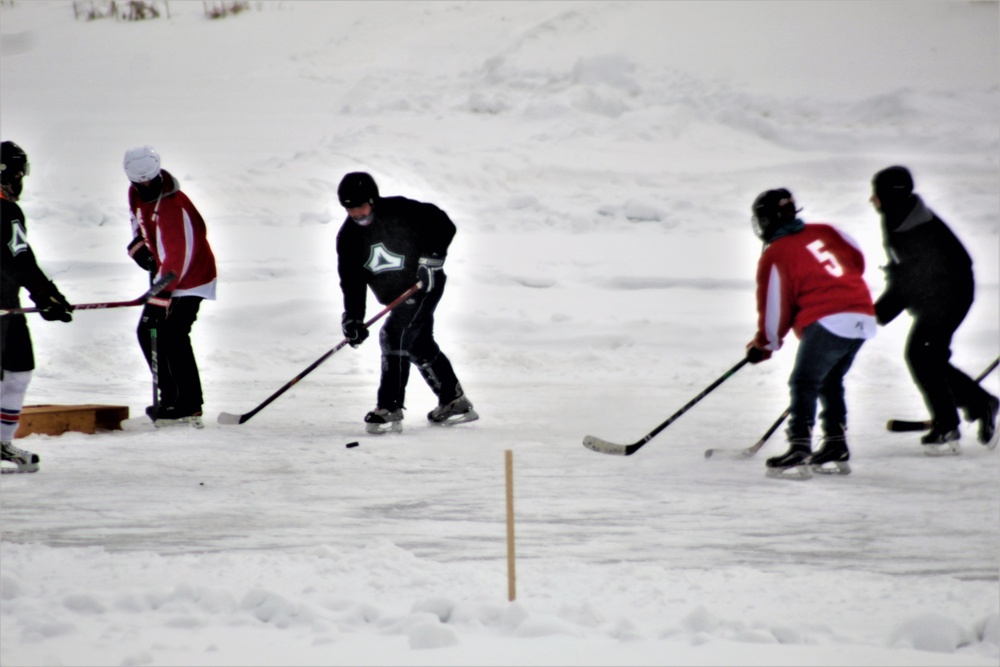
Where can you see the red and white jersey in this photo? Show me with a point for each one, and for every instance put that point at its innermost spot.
(815, 275)
(175, 233)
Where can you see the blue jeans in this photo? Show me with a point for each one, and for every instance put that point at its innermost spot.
(821, 363)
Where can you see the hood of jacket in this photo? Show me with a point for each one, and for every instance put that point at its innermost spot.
(903, 222)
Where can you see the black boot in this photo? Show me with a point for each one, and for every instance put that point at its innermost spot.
(457, 411)
(793, 464)
(382, 420)
(833, 451)
(941, 441)
(988, 422)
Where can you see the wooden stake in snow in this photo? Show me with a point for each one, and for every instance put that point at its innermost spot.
(511, 577)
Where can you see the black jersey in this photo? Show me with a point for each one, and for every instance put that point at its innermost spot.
(384, 254)
(19, 267)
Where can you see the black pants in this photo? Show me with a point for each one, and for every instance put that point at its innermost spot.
(177, 371)
(928, 354)
(408, 338)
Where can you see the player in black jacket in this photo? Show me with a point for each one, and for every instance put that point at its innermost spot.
(19, 269)
(388, 244)
(930, 275)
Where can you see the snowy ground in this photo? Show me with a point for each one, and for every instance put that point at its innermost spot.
(599, 159)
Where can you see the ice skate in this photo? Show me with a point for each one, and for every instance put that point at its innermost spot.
(457, 411)
(988, 434)
(24, 460)
(831, 458)
(167, 417)
(793, 464)
(381, 420)
(942, 442)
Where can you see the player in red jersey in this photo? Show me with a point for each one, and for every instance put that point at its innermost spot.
(810, 281)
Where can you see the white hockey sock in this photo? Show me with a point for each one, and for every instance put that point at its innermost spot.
(13, 386)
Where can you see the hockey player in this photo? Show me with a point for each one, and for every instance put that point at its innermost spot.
(810, 280)
(930, 275)
(169, 235)
(388, 244)
(19, 269)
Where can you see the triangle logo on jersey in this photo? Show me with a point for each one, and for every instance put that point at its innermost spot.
(382, 260)
(18, 239)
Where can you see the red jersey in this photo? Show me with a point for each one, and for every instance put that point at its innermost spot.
(175, 233)
(807, 276)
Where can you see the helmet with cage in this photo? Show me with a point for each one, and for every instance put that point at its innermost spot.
(13, 168)
(771, 211)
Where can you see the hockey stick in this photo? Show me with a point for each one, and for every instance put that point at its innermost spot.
(230, 419)
(154, 361)
(155, 289)
(605, 447)
(903, 425)
(154, 368)
(753, 449)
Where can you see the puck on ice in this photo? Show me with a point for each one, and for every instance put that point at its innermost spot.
(351, 444)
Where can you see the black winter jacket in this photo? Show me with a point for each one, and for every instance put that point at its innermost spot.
(383, 255)
(18, 265)
(929, 271)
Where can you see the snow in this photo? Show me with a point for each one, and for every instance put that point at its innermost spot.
(599, 160)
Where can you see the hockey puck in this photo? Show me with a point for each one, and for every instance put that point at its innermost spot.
(351, 444)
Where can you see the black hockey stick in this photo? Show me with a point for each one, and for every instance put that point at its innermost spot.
(753, 449)
(154, 368)
(154, 361)
(231, 419)
(155, 289)
(605, 447)
(903, 425)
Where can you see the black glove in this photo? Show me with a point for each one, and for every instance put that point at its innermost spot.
(427, 267)
(755, 355)
(141, 254)
(355, 331)
(53, 306)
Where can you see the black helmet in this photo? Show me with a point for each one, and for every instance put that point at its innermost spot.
(772, 210)
(357, 188)
(13, 167)
(13, 162)
(893, 187)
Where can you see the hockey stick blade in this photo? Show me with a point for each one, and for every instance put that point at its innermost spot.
(605, 447)
(753, 449)
(744, 453)
(229, 419)
(733, 453)
(907, 425)
(155, 289)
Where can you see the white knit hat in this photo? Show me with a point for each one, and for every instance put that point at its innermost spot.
(141, 164)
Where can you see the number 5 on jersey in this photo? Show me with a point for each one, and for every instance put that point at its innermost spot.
(826, 258)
